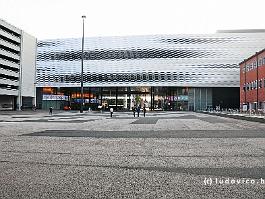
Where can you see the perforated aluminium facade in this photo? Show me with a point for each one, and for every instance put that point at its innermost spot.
(173, 72)
(159, 60)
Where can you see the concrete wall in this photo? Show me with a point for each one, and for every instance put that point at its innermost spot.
(28, 65)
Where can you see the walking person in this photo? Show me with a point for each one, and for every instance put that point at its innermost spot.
(111, 112)
(138, 111)
(144, 109)
(50, 110)
(133, 109)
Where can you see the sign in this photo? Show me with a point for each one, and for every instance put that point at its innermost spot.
(180, 98)
(92, 101)
(55, 97)
(183, 98)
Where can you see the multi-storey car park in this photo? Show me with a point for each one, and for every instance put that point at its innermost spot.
(164, 72)
(17, 67)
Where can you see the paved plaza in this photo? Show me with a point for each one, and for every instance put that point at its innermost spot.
(164, 155)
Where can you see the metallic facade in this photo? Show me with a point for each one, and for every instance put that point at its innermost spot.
(209, 60)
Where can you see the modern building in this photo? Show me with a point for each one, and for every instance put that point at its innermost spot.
(17, 67)
(169, 72)
(252, 81)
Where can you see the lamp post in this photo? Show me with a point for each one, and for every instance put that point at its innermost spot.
(82, 67)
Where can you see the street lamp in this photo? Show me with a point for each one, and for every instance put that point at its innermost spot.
(82, 67)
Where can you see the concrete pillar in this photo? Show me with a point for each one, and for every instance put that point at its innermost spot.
(200, 98)
(194, 98)
(206, 102)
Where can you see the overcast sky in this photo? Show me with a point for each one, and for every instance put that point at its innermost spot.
(47, 19)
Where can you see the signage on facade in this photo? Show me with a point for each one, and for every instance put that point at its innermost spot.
(180, 98)
(55, 97)
(92, 101)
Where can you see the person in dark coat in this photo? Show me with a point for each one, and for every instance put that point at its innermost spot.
(50, 110)
(144, 109)
(138, 111)
(133, 109)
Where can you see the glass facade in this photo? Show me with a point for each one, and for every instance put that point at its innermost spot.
(125, 98)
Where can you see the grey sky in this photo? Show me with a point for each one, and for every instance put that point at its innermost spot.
(62, 18)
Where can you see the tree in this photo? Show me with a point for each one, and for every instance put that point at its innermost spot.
(137, 99)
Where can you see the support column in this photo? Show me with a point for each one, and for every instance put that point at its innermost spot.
(89, 93)
(101, 96)
(173, 100)
(116, 98)
(151, 97)
(129, 95)
(200, 98)
(177, 98)
(194, 102)
(206, 98)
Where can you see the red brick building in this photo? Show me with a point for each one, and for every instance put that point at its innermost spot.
(252, 81)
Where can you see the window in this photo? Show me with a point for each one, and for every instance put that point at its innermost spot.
(254, 65)
(260, 62)
(260, 83)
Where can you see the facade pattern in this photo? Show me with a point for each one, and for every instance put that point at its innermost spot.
(173, 72)
(159, 60)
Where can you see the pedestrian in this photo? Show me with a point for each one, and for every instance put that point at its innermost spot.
(138, 111)
(50, 110)
(144, 111)
(133, 109)
(111, 112)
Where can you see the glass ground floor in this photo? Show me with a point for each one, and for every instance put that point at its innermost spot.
(125, 98)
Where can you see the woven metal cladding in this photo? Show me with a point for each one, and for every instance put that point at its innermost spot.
(157, 60)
